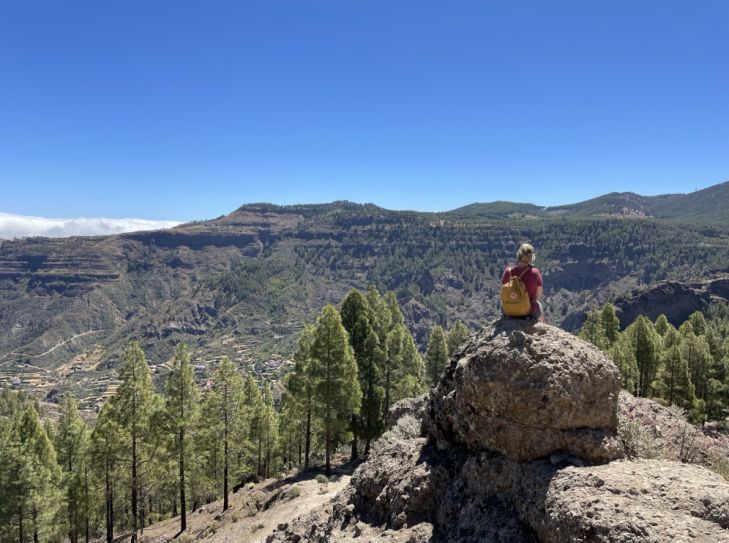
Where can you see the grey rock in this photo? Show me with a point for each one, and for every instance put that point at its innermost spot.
(528, 389)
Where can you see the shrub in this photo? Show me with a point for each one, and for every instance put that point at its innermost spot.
(322, 479)
(294, 492)
(719, 462)
(637, 439)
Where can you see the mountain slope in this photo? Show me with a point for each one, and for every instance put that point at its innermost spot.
(243, 285)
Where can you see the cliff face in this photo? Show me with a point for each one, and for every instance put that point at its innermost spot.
(518, 442)
(675, 299)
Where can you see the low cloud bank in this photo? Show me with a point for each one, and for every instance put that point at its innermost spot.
(21, 226)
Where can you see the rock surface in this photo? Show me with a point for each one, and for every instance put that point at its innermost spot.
(431, 478)
(528, 389)
(674, 299)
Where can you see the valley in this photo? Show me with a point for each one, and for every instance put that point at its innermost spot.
(242, 285)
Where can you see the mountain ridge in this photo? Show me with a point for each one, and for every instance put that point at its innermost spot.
(244, 284)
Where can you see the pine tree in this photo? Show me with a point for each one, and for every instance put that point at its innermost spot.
(457, 333)
(291, 428)
(254, 424)
(359, 321)
(674, 383)
(393, 307)
(269, 433)
(137, 407)
(69, 445)
(610, 323)
(381, 318)
(698, 323)
(646, 353)
(31, 479)
(698, 357)
(623, 354)
(592, 330)
(228, 401)
(107, 449)
(182, 398)
(337, 391)
(300, 385)
(662, 325)
(414, 381)
(14, 477)
(670, 337)
(209, 450)
(436, 354)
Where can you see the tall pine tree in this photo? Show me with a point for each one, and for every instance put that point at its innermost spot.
(182, 398)
(337, 391)
(300, 385)
(137, 406)
(228, 400)
(436, 354)
(70, 442)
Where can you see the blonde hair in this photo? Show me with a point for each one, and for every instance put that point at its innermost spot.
(525, 253)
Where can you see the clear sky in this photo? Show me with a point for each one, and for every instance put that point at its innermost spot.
(186, 110)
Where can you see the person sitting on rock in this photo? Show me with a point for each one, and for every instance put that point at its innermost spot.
(530, 275)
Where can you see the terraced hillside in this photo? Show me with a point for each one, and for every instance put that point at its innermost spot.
(244, 284)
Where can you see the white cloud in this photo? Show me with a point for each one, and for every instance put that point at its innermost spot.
(20, 226)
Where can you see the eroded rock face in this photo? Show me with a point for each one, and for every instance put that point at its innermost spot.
(527, 389)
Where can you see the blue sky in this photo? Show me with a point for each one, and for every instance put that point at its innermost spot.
(186, 110)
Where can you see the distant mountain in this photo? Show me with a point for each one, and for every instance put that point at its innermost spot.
(498, 210)
(710, 204)
(244, 284)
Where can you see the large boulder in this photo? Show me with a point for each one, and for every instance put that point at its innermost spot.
(471, 461)
(526, 390)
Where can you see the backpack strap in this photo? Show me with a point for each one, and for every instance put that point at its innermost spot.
(511, 272)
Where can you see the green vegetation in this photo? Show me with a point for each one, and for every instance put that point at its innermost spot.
(150, 456)
(369, 337)
(687, 367)
(436, 355)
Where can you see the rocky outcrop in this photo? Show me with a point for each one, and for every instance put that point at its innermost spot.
(516, 444)
(527, 389)
(675, 299)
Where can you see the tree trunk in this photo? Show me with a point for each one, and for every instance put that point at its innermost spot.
(86, 502)
(21, 535)
(328, 421)
(135, 482)
(355, 452)
(183, 517)
(258, 470)
(307, 446)
(35, 524)
(328, 465)
(71, 525)
(109, 508)
(225, 463)
(386, 408)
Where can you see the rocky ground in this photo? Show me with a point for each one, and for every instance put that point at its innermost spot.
(254, 512)
(459, 466)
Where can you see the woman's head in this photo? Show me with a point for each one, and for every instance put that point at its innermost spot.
(525, 254)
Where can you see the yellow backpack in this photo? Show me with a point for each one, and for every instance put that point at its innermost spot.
(514, 296)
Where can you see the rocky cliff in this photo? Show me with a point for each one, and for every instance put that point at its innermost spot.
(675, 299)
(518, 442)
